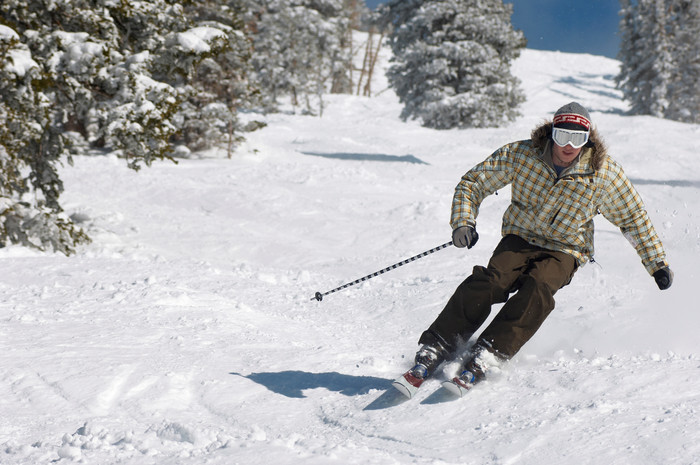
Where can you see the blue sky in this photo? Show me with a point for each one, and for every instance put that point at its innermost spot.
(565, 25)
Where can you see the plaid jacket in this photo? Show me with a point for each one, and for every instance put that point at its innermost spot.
(557, 214)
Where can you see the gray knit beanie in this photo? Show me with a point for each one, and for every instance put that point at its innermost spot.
(571, 115)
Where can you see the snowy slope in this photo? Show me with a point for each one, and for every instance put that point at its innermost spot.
(186, 334)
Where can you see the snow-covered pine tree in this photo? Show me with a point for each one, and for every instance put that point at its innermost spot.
(137, 76)
(660, 55)
(452, 61)
(93, 57)
(684, 90)
(134, 77)
(645, 53)
(208, 63)
(301, 50)
(30, 148)
(630, 48)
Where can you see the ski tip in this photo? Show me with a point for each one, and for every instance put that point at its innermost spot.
(455, 388)
(408, 384)
(402, 388)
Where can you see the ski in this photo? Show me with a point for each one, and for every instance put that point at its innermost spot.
(460, 385)
(408, 384)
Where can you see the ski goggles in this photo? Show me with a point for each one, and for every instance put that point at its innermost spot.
(576, 139)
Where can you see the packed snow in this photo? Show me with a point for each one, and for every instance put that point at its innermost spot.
(187, 333)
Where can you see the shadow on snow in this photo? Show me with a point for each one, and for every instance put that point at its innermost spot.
(671, 183)
(591, 83)
(369, 157)
(292, 383)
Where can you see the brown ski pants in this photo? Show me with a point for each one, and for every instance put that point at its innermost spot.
(533, 273)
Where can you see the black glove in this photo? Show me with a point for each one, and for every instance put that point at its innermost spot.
(465, 236)
(663, 277)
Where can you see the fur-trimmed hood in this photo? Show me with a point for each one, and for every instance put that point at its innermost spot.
(542, 134)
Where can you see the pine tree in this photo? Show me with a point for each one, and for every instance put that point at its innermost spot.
(301, 50)
(30, 148)
(136, 78)
(684, 90)
(452, 61)
(660, 55)
(647, 56)
(630, 48)
(208, 63)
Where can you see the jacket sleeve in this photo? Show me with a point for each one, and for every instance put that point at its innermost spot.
(624, 208)
(478, 183)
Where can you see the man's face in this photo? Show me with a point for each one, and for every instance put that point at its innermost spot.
(564, 156)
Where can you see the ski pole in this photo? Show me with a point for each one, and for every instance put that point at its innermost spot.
(320, 296)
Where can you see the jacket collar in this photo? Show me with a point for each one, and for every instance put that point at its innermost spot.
(580, 166)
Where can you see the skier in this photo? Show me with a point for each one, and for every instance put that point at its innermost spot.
(560, 179)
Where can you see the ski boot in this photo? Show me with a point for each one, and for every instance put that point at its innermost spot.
(428, 358)
(482, 360)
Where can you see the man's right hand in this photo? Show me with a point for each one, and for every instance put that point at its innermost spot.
(465, 236)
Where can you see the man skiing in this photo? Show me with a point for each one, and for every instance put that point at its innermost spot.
(560, 179)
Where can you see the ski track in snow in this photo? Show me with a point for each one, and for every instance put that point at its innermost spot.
(186, 334)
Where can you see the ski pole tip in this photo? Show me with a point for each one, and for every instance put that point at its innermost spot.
(318, 296)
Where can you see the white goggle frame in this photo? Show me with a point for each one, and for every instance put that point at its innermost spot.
(564, 137)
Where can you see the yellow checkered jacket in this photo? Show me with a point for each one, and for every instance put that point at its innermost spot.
(557, 213)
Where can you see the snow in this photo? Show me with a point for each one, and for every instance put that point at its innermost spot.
(7, 33)
(79, 53)
(19, 59)
(186, 333)
(197, 39)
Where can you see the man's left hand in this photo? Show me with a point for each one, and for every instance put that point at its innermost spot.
(663, 277)
(465, 236)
